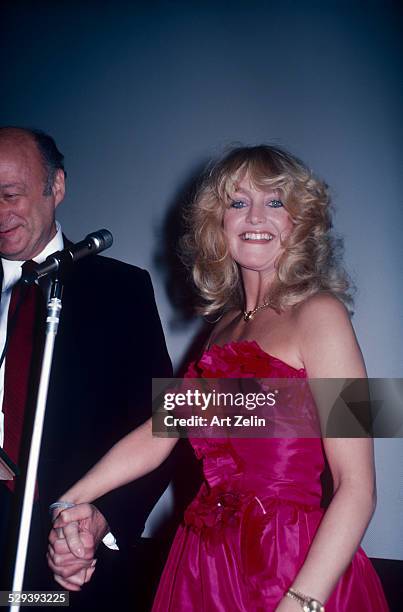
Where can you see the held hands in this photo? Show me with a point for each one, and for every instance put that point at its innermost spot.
(73, 541)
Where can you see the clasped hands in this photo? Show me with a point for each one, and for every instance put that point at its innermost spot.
(73, 541)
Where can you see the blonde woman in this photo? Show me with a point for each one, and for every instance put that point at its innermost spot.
(257, 536)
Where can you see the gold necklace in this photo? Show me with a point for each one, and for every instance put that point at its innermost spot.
(249, 314)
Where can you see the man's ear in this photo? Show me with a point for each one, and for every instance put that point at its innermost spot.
(59, 187)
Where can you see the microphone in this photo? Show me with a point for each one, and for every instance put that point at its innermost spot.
(92, 244)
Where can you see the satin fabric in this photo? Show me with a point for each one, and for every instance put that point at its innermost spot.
(249, 528)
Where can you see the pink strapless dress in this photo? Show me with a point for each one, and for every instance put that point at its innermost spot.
(249, 529)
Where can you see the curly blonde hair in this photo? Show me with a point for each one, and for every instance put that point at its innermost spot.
(311, 259)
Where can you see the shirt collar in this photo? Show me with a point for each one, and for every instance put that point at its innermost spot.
(12, 269)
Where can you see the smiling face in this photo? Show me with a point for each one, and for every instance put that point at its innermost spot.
(255, 224)
(27, 216)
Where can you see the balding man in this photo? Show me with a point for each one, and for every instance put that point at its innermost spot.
(105, 357)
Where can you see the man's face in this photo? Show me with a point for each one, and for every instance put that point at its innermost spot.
(27, 217)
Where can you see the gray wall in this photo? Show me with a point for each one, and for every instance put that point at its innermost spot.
(139, 95)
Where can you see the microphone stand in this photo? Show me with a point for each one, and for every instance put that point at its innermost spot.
(54, 307)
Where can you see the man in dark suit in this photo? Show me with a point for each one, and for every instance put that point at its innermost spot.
(110, 344)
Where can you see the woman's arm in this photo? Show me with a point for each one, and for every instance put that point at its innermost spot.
(329, 349)
(133, 456)
(77, 531)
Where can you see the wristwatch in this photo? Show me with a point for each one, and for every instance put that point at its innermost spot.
(308, 604)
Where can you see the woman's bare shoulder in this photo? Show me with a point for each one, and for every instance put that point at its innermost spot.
(326, 339)
(321, 308)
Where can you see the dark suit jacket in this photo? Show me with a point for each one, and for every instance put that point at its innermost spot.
(110, 345)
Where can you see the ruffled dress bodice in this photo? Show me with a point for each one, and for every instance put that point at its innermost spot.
(286, 468)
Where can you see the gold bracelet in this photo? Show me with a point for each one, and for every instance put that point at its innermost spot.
(308, 604)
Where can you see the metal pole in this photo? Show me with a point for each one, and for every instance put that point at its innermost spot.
(54, 307)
